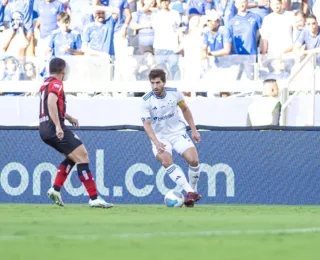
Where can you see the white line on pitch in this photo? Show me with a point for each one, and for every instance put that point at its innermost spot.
(169, 234)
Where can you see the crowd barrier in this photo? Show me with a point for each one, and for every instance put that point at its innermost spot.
(237, 167)
(90, 74)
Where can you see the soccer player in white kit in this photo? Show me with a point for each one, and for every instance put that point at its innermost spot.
(166, 130)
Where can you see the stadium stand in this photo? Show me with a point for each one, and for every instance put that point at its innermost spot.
(213, 48)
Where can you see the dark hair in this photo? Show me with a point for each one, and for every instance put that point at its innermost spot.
(57, 65)
(311, 16)
(157, 73)
(269, 81)
(63, 17)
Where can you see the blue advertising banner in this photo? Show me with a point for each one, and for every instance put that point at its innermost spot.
(237, 167)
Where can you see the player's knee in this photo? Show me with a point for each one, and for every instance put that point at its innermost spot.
(84, 157)
(193, 162)
(166, 163)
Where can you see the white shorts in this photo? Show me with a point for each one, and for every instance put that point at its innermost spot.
(179, 142)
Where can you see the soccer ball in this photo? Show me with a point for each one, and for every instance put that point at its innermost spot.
(174, 199)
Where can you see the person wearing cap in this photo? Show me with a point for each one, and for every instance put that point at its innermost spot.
(217, 40)
(217, 43)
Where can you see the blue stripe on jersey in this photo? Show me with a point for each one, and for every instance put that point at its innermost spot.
(147, 96)
(171, 89)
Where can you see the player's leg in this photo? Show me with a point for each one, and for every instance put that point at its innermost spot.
(63, 171)
(173, 171)
(183, 145)
(191, 157)
(80, 157)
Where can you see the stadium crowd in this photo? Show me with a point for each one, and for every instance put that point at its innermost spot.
(190, 39)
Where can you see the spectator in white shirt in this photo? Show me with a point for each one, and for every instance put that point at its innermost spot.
(277, 31)
(165, 25)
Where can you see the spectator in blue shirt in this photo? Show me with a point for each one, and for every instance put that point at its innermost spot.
(217, 39)
(244, 28)
(47, 22)
(65, 41)
(124, 17)
(310, 38)
(25, 7)
(98, 36)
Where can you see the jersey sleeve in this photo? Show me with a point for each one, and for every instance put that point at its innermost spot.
(145, 111)
(301, 38)
(180, 98)
(86, 33)
(227, 35)
(55, 87)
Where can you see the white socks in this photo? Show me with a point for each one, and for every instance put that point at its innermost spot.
(194, 173)
(178, 177)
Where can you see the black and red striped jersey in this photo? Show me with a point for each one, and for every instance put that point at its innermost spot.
(55, 86)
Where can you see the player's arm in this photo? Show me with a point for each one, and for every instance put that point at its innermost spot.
(188, 117)
(150, 133)
(72, 120)
(53, 113)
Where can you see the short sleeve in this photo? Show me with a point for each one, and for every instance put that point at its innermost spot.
(300, 40)
(51, 41)
(227, 35)
(85, 34)
(78, 42)
(145, 111)
(205, 38)
(55, 87)
(180, 97)
(259, 21)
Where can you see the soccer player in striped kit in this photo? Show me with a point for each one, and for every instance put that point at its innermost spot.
(55, 134)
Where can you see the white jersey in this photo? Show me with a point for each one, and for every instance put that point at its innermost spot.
(163, 112)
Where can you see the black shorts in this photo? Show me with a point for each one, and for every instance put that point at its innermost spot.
(66, 145)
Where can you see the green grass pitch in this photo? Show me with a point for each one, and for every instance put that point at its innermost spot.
(151, 232)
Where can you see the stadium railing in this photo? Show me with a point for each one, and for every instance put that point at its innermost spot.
(90, 74)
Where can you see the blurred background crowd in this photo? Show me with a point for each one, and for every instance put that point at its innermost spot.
(190, 39)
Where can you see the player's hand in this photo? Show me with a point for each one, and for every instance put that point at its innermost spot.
(196, 136)
(74, 122)
(160, 147)
(59, 132)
